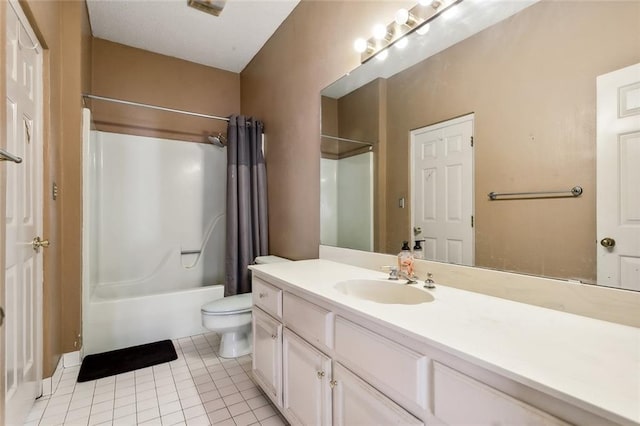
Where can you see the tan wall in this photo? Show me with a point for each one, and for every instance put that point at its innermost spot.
(329, 125)
(281, 86)
(3, 180)
(531, 82)
(358, 113)
(63, 30)
(127, 73)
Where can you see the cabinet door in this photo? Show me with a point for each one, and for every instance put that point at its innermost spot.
(357, 403)
(267, 354)
(306, 382)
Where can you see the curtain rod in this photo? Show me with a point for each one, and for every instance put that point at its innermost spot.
(159, 108)
(336, 138)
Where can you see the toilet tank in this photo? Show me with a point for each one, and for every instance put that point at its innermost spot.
(263, 260)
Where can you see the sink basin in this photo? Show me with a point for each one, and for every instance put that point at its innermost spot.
(380, 291)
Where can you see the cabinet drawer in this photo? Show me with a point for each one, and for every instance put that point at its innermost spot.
(267, 297)
(396, 370)
(308, 320)
(459, 399)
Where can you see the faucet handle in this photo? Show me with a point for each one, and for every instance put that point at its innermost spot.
(393, 272)
(429, 282)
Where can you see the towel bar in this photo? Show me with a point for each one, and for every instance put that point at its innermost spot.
(573, 192)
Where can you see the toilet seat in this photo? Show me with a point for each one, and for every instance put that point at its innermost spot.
(240, 303)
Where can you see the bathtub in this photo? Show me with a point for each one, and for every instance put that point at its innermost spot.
(153, 237)
(127, 321)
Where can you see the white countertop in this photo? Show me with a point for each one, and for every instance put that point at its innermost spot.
(590, 363)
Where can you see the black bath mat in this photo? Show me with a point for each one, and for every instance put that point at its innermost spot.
(119, 361)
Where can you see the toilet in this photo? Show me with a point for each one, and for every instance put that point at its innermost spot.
(231, 318)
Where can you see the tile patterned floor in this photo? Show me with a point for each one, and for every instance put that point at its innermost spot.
(196, 389)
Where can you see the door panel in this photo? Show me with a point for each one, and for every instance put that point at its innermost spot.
(23, 216)
(618, 174)
(442, 190)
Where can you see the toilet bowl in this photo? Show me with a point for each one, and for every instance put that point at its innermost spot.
(231, 318)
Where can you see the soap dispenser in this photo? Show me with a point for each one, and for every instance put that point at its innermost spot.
(418, 253)
(405, 260)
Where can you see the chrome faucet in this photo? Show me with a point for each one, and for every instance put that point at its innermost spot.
(429, 282)
(395, 275)
(411, 279)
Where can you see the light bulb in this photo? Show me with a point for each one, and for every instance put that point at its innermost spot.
(402, 16)
(402, 43)
(379, 31)
(423, 29)
(382, 55)
(360, 45)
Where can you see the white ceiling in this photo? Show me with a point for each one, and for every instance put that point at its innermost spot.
(172, 28)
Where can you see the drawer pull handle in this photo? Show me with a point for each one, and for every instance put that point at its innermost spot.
(262, 295)
(333, 384)
(320, 374)
(274, 336)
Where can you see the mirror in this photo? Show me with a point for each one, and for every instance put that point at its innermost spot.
(525, 74)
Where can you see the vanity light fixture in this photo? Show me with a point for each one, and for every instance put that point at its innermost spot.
(404, 17)
(361, 45)
(381, 32)
(405, 22)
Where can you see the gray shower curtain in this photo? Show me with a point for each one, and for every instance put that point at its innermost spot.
(247, 233)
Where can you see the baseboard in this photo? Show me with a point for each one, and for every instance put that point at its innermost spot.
(50, 384)
(71, 359)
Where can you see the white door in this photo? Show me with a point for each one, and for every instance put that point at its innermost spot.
(267, 354)
(618, 178)
(306, 380)
(357, 403)
(23, 274)
(442, 190)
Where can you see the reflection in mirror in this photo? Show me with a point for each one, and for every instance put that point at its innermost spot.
(530, 81)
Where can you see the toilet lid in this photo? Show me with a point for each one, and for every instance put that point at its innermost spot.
(228, 305)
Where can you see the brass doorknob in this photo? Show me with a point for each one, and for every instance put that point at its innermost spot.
(607, 242)
(37, 243)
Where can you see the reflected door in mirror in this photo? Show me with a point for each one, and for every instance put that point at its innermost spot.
(442, 190)
(618, 148)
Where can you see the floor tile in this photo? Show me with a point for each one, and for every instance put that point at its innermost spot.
(245, 419)
(179, 392)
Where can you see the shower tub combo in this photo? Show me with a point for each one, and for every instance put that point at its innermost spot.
(153, 237)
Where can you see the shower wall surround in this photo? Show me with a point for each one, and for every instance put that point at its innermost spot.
(155, 199)
(154, 237)
(346, 196)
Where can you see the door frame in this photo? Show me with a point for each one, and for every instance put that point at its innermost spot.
(27, 36)
(3, 180)
(412, 184)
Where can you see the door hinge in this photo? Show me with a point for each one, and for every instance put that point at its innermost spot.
(472, 221)
(471, 140)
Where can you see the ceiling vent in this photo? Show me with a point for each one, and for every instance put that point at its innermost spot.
(212, 7)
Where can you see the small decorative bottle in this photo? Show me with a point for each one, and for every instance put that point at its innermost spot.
(417, 250)
(405, 260)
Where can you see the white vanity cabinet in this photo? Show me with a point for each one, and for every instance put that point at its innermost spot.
(267, 359)
(306, 378)
(309, 391)
(324, 364)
